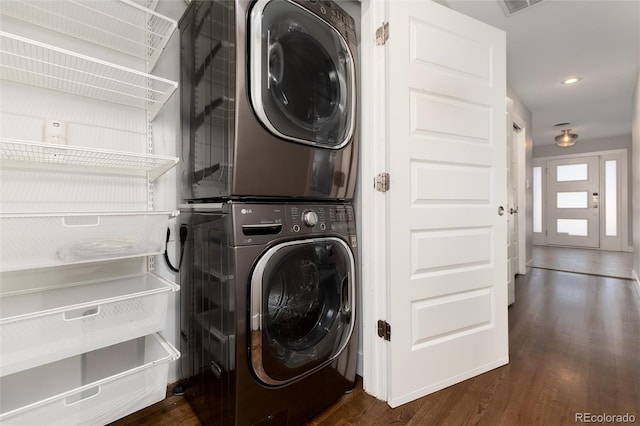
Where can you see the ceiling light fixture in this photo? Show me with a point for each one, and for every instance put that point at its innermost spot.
(566, 139)
(572, 80)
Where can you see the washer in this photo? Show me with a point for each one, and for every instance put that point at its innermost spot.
(269, 325)
(268, 100)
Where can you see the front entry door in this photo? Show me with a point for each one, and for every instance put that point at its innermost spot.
(446, 147)
(573, 202)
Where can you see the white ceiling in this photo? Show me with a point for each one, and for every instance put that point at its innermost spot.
(598, 40)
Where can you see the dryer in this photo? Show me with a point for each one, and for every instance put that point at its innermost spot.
(268, 100)
(268, 318)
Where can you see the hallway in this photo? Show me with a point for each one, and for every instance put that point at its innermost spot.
(574, 344)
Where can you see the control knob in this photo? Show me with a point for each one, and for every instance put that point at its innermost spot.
(310, 218)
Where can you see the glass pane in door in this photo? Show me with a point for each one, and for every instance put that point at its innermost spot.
(302, 294)
(572, 172)
(301, 307)
(611, 198)
(537, 199)
(574, 227)
(572, 200)
(303, 75)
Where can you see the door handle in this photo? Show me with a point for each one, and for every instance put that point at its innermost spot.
(345, 307)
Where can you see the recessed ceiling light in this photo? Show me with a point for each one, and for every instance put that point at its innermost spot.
(572, 80)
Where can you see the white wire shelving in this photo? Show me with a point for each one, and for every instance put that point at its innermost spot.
(39, 240)
(67, 155)
(38, 64)
(123, 25)
(43, 327)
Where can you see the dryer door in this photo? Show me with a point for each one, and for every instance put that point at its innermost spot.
(302, 309)
(302, 75)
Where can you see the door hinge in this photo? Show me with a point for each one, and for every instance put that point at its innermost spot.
(382, 34)
(384, 330)
(382, 182)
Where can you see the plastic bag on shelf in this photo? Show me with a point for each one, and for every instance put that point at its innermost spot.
(106, 248)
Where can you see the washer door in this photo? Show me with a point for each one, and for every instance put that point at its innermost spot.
(302, 75)
(302, 308)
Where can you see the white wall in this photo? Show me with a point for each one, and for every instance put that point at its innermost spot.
(524, 114)
(635, 199)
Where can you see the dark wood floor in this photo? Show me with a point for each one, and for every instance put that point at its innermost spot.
(574, 348)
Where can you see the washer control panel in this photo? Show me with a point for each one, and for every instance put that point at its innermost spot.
(332, 218)
(310, 218)
(261, 223)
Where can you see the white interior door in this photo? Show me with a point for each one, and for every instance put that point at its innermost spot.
(573, 202)
(447, 243)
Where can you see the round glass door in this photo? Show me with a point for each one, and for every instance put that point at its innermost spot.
(301, 308)
(302, 75)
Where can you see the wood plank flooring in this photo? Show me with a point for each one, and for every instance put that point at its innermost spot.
(594, 262)
(574, 348)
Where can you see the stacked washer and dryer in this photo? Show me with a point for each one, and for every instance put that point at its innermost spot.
(269, 164)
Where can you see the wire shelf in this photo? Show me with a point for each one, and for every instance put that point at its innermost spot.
(122, 25)
(39, 240)
(43, 327)
(38, 64)
(40, 152)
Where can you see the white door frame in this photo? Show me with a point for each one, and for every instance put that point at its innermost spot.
(373, 243)
(513, 206)
(522, 191)
(514, 119)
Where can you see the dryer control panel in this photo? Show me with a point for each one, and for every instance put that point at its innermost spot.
(331, 12)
